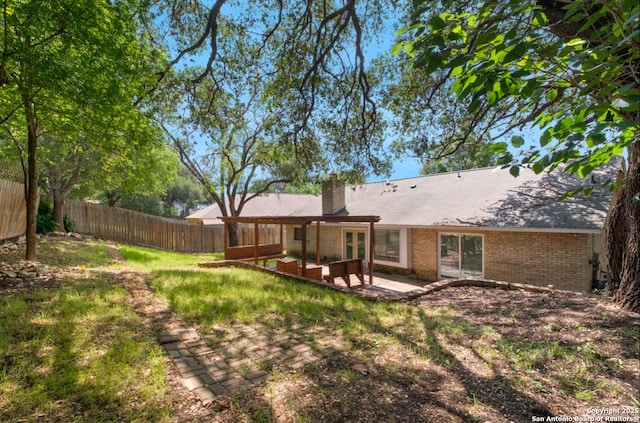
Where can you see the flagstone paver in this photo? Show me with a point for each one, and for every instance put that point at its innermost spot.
(245, 358)
(247, 354)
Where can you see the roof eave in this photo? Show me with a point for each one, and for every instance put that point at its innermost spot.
(506, 229)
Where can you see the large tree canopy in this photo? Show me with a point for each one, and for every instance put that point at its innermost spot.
(569, 69)
(67, 66)
(431, 125)
(309, 58)
(283, 94)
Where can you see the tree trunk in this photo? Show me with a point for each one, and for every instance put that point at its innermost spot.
(614, 236)
(622, 233)
(232, 231)
(32, 178)
(628, 294)
(57, 197)
(112, 198)
(58, 213)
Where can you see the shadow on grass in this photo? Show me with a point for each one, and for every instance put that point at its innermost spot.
(348, 389)
(576, 340)
(73, 354)
(362, 387)
(466, 377)
(228, 296)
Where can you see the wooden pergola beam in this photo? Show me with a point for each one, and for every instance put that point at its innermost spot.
(317, 243)
(304, 250)
(304, 221)
(299, 220)
(256, 237)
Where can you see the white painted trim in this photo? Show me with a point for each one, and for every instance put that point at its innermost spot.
(404, 247)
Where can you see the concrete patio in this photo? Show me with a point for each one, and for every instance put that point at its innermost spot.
(384, 285)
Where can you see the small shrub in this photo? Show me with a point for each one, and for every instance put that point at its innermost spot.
(44, 220)
(68, 224)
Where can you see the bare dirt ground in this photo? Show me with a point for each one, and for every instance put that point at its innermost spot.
(481, 361)
(587, 324)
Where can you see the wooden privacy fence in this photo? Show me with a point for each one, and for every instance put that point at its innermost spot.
(13, 210)
(152, 231)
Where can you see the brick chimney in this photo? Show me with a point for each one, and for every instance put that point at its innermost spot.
(332, 196)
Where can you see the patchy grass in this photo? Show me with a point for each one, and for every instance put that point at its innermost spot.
(501, 363)
(78, 352)
(215, 297)
(64, 252)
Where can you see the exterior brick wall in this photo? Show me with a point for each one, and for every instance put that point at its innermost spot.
(539, 258)
(536, 258)
(424, 245)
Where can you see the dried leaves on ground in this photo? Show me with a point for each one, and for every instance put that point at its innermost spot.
(464, 355)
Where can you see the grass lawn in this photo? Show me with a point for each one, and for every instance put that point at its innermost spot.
(78, 352)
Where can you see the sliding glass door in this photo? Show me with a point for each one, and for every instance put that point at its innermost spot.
(460, 256)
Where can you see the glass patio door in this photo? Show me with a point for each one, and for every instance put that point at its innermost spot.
(460, 256)
(354, 245)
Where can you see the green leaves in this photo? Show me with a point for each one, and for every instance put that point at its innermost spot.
(398, 47)
(500, 147)
(517, 141)
(579, 89)
(436, 23)
(516, 52)
(540, 19)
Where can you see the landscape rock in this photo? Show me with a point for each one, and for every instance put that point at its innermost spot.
(24, 270)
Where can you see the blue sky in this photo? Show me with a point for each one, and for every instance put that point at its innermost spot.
(402, 168)
(407, 167)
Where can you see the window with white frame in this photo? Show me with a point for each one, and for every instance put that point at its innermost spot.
(387, 245)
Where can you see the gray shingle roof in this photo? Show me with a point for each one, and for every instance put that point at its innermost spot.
(271, 204)
(488, 197)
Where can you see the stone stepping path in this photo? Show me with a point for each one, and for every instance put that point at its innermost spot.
(244, 358)
(246, 355)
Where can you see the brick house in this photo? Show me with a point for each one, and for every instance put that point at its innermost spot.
(480, 223)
